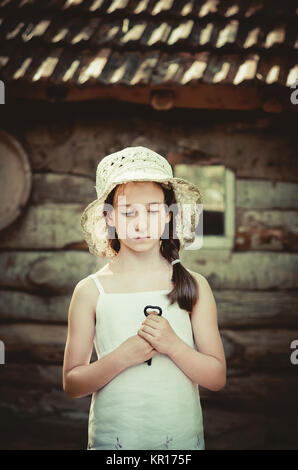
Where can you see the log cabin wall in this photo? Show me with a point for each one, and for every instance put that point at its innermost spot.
(43, 256)
(202, 82)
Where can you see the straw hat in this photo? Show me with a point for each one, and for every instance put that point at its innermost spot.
(135, 164)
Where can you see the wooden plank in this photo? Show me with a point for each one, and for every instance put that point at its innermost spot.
(53, 273)
(250, 146)
(251, 270)
(45, 226)
(266, 230)
(241, 309)
(258, 194)
(229, 429)
(46, 272)
(224, 429)
(236, 309)
(256, 392)
(33, 342)
(266, 349)
(62, 188)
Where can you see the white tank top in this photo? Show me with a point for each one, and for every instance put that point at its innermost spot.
(143, 407)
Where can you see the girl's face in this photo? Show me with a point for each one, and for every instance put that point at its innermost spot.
(139, 214)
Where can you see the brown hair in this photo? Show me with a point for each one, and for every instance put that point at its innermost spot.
(185, 291)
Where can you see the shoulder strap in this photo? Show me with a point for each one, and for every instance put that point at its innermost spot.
(98, 283)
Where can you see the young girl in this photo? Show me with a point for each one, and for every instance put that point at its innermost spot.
(153, 321)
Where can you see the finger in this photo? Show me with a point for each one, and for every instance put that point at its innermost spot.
(149, 324)
(153, 312)
(154, 317)
(147, 330)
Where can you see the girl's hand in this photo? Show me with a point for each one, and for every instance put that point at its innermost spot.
(158, 332)
(136, 350)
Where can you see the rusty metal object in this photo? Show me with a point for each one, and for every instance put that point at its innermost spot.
(15, 178)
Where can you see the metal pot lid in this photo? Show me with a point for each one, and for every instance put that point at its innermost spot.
(15, 178)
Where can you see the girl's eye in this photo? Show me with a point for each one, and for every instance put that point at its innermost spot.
(130, 213)
(127, 213)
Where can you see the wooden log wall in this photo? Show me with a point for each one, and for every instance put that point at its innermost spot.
(255, 285)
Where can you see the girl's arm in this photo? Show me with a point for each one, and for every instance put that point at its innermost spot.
(80, 378)
(207, 366)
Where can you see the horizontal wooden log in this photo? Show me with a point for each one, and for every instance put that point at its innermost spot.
(48, 430)
(257, 392)
(223, 429)
(224, 139)
(244, 270)
(47, 272)
(31, 376)
(45, 226)
(61, 188)
(20, 306)
(52, 272)
(260, 392)
(241, 309)
(266, 230)
(267, 349)
(250, 350)
(33, 342)
(243, 429)
(258, 194)
(236, 309)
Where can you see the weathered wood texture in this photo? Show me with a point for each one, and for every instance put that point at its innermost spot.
(224, 430)
(258, 194)
(263, 349)
(236, 308)
(262, 146)
(52, 273)
(52, 218)
(43, 256)
(266, 230)
(46, 272)
(254, 410)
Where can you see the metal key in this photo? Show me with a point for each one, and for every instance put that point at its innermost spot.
(152, 307)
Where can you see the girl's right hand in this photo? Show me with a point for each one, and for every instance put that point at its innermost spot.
(136, 350)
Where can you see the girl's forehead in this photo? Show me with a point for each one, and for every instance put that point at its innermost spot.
(144, 193)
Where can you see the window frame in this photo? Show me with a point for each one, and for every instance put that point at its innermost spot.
(225, 241)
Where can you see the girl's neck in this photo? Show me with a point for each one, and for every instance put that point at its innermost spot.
(122, 266)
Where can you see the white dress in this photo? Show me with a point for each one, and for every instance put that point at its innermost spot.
(143, 407)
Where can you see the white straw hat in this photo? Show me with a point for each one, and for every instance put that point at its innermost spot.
(134, 164)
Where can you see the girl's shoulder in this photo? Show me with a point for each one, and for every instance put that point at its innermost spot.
(199, 277)
(88, 291)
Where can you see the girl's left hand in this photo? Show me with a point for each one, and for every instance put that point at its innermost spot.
(159, 333)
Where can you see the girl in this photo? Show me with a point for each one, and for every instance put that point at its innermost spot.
(153, 322)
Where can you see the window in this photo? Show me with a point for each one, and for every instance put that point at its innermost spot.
(217, 185)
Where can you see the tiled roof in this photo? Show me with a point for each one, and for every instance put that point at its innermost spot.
(137, 42)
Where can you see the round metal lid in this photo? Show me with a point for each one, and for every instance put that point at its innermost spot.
(15, 178)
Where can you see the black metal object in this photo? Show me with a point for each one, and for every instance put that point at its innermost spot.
(154, 307)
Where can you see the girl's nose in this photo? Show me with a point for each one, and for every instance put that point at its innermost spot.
(142, 223)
